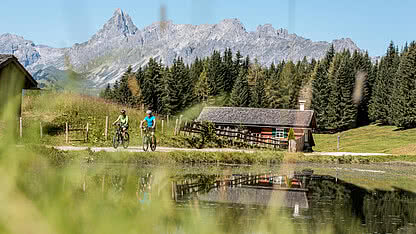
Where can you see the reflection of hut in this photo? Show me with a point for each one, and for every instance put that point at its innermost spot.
(267, 122)
(253, 195)
(13, 79)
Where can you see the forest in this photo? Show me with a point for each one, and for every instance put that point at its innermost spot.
(345, 89)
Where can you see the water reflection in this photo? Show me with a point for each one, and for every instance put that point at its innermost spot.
(144, 189)
(234, 200)
(317, 200)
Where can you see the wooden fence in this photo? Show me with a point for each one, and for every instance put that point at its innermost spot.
(259, 140)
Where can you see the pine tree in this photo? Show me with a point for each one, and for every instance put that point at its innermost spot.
(334, 108)
(107, 93)
(215, 75)
(228, 71)
(152, 88)
(256, 78)
(404, 102)
(281, 91)
(125, 94)
(240, 95)
(320, 95)
(380, 103)
(201, 90)
(115, 93)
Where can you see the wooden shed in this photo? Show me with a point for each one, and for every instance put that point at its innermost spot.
(273, 123)
(13, 79)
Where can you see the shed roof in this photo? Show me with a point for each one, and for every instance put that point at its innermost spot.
(5, 59)
(258, 116)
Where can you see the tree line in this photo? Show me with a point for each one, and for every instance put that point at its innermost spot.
(345, 89)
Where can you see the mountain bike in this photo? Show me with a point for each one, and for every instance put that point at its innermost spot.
(147, 140)
(118, 138)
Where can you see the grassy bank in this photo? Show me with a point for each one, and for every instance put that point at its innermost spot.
(54, 109)
(372, 138)
(57, 157)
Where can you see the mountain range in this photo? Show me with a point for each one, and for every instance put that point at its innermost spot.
(119, 43)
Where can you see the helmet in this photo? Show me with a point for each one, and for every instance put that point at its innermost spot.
(148, 112)
(123, 111)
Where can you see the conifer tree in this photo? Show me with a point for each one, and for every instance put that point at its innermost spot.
(228, 70)
(201, 90)
(282, 93)
(320, 95)
(240, 95)
(107, 93)
(404, 94)
(380, 104)
(215, 73)
(152, 87)
(334, 107)
(256, 78)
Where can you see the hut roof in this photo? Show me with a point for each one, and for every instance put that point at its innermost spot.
(5, 59)
(258, 117)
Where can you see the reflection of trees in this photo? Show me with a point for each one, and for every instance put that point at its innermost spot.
(377, 211)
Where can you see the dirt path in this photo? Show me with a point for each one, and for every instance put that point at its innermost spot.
(139, 149)
(346, 154)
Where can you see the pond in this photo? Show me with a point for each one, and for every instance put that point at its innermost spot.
(285, 198)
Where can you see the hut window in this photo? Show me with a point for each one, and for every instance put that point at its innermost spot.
(280, 133)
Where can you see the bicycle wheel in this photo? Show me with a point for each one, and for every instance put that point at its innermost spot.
(153, 144)
(126, 140)
(145, 143)
(115, 141)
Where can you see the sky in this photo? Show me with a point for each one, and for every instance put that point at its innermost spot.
(370, 24)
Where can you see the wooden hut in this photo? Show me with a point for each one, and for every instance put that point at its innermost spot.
(265, 122)
(13, 79)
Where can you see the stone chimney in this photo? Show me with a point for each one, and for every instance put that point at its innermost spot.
(302, 105)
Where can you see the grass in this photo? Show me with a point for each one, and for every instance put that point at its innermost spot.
(54, 109)
(57, 157)
(371, 139)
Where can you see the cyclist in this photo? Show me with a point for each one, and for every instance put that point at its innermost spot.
(124, 121)
(151, 123)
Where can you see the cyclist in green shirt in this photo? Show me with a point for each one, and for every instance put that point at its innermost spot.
(124, 121)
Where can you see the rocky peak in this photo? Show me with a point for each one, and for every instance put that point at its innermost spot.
(120, 24)
(231, 24)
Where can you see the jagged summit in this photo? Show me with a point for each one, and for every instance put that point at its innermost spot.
(120, 24)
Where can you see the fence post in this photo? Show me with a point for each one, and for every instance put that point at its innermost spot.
(338, 143)
(106, 128)
(87, 131)
(176, 126)
(66, 132)
(193, 127)
(162, 126)
(41, 130)
(20, 127)
(167, 120)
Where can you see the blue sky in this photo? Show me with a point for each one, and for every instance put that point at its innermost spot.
(371, 24)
